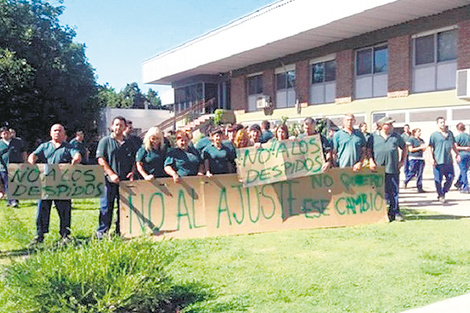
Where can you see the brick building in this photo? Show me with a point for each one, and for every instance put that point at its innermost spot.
(371, 58)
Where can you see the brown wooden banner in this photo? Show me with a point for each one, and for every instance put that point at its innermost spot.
(54, 181)
(280, 161)
(221, 205)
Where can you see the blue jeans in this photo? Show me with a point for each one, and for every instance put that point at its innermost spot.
(111, 194)
(406, 166)
(416, 168)
(441, 171)
(64, 208)
(391, 194)
(463, 166)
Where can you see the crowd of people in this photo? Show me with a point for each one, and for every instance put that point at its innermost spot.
(124, 156)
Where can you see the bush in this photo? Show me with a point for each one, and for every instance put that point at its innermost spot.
(102, 276)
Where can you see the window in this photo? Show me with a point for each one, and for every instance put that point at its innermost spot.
(371, 72)
(323, 79)
(435, 61)
(188, 96)
(285, 87)
(255, 90)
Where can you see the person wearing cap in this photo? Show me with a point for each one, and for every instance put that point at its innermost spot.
(382, 148)
(218, 158)
(463, 146)
(349, 145)
(442, 142)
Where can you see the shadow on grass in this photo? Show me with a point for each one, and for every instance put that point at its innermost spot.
(411, 214)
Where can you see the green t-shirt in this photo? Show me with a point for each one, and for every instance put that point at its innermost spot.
(218, 158)
(202, 144)
(152, 161)
(80, 146)
(119, 157)
(415, 143)
(184, 162)
(266, 135)
(48, 153)
(442, 147)
(463, 140)
(385, 151)
(349, 147)
(11, 153)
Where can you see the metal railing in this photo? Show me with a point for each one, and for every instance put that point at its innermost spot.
(193, 111)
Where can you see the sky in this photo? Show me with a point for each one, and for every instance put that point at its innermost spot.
(120, 34)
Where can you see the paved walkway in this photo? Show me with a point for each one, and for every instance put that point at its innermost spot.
(457, 205)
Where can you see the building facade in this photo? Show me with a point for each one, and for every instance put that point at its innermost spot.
(391, 58)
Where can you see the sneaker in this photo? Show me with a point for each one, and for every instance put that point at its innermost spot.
(458, 185)
(421, 190)
(399, 217)
(100, 235)
(64, 241)
(36, 241)
(405, 185)
(441, 199)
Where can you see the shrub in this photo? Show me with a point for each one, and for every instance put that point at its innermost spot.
(102, 276)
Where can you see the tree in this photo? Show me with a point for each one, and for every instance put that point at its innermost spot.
(130, 97)
(153, 99)
(48, 76)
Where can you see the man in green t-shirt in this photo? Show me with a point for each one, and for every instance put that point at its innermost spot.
(383, 147)
(349, 145)
(117, 157)
(442, 143)
(55, 151)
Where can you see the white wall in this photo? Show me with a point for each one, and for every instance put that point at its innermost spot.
(141, 119)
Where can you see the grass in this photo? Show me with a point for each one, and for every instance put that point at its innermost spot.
(373, 268)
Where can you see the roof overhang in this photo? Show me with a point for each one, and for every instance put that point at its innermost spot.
(283, 28)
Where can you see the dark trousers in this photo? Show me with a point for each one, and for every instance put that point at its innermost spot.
(416, 168)
(441, 171)
(463, 166)
(391, 194)
(111, 194)
(64, 208)
(4, 178)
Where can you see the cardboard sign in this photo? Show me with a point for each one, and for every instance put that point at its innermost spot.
(221, 205)
(280, 160)
(54, 181)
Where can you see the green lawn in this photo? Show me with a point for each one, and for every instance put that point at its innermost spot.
(374, 268)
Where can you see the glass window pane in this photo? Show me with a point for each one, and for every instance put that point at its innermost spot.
(424, 50)
(255, 85)
(330, 71)
(381, 60)
(318, 71)
(281, 81)
(290, 79)
(447, 46)
(364, 62)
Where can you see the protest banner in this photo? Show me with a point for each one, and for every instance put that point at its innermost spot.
(54, 181)
(221, 205)
(280, 160)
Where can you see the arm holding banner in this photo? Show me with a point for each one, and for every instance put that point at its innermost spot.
(113, 177)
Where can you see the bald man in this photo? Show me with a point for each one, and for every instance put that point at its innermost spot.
(55, 151)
